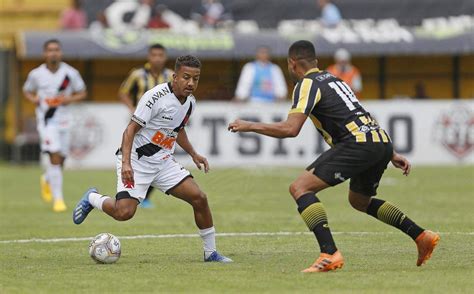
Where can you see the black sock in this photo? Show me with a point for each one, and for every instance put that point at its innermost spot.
(390, 214)
(314, 215)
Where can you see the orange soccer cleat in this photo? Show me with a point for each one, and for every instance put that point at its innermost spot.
(326, 262)
(426, 243)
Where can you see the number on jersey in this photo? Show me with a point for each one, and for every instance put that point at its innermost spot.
(344, 91)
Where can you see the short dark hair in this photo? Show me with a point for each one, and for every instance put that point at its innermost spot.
(51, 41)
(156, 46)
(187, 60)
(302, 49)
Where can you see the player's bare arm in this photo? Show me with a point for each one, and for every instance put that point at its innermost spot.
(184, 143)
(401, 162)
(291, 127)
(75, 97)
(127, 100)
(32, 97)
(127, 142)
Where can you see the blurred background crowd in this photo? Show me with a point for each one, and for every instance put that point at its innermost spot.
(386, 49)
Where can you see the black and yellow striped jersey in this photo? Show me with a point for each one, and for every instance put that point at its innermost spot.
(334, 109)
(141, 80)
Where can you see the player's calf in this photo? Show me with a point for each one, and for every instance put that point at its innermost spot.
(123, 213)
(122, 208)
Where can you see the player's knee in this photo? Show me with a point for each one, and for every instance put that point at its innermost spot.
(358, 202)
(124, 214)
(296, 190)
(199, 200)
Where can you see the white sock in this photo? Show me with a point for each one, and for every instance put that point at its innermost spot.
(208, 237)
(97, 200)
(55, 180)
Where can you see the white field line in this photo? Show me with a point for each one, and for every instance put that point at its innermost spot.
(250, 234)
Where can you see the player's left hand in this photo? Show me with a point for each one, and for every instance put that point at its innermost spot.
(239, 126)
(66, 100)
(199, 161)
(402, 163)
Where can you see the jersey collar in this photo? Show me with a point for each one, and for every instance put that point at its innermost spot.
(171, 90)
(312, 70)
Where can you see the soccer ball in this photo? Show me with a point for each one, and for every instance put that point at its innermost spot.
(105, 248)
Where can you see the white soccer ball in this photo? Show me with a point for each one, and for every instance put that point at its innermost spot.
(105, 248)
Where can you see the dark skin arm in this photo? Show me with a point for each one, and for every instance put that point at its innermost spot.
(127, 142)
(184, 142)
(291, 127)
(32, 97)
(127, 100)
(75, 97)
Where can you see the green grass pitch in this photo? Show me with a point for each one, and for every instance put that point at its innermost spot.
(378, 258)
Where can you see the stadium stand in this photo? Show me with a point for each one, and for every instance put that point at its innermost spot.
(407, 12)
(387, 73)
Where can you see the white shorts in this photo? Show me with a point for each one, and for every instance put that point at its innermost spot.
(164, 175)
(54, 139)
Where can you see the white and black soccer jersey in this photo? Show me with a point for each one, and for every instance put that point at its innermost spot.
(161, 116)
(49, 86)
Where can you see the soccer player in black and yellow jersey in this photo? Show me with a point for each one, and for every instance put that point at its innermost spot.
(360, 151)
(142, 79)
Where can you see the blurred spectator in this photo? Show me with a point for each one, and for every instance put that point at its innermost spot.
(261, 80)
(146, 77)
(129, 14)
(74, 17)
(99, 23)
(330, 14)
(344, 70)
(210, 13)
(420, 91)
(164, 18)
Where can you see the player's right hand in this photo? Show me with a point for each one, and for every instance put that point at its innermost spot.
(239, 125)
(198, 160)
(36, 100)
(55, 101)
(127, 176)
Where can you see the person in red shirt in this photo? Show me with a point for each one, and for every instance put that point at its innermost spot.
(347, 72)
(74, 18)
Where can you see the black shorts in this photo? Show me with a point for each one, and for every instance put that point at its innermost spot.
(363, 163)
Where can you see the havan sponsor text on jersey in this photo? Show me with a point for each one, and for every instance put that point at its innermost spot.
(161, 116)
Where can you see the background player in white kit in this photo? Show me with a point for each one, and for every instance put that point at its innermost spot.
(157, 124)
(52, 86)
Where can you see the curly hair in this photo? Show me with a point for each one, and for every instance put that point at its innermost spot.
(187, 60)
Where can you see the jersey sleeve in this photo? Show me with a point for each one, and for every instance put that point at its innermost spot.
(77, 82)
(146, 109)
(129, 83)
(305, 96)
(31, 84)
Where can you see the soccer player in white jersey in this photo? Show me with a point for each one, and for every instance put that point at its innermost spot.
(146, 156)
(52, 86)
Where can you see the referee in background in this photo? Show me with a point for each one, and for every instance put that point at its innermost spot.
(142, 79)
